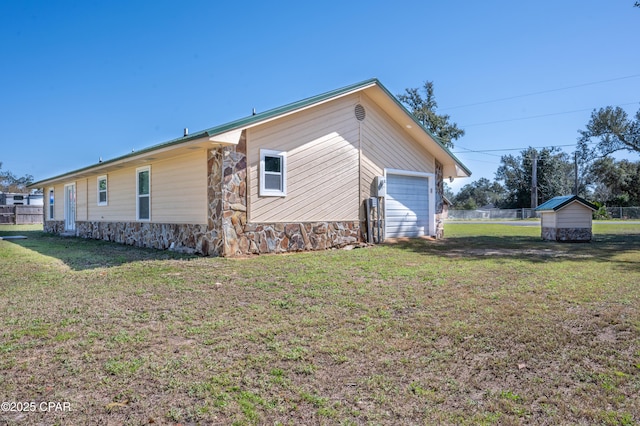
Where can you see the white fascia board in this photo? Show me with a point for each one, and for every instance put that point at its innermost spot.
(232, 137)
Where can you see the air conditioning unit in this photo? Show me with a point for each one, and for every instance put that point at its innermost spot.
(381, 186)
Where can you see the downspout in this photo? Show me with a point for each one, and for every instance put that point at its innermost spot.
(363, 224)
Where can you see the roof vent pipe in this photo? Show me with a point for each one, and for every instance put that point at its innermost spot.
(186, 131)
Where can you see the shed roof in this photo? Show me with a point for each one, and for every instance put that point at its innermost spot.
(561, 201)
(228, 133)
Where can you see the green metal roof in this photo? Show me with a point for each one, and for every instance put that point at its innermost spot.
(256, 118)
(557, 203)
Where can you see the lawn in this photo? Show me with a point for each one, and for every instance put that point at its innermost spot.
(489, 326)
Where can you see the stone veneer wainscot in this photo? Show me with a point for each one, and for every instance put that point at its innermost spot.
(567, 234)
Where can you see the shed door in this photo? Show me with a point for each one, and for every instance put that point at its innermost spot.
(407, 206)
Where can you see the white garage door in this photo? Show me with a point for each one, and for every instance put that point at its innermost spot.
(407, 206)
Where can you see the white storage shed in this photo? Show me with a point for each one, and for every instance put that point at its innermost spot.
(566, 218)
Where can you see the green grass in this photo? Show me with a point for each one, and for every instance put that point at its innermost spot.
(489, 326)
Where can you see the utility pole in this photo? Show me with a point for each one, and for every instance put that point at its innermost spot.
(534, 181)
(575, 175)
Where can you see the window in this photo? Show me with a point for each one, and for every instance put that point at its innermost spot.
(51, 204)
(143, 191)
(102, 190)
(273, 173)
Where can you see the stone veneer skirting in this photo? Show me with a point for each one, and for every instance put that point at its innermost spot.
(53, 226)
(187, 238)
(567, 234)
(197, 239)
(285, 237)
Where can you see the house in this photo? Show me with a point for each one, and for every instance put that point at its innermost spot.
(566, 218)
(293, 178)
(20, 199)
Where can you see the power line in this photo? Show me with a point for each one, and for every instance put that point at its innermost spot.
(539, 116)
(483, 161)
(541, 92)
(486, 151)
(489, 151)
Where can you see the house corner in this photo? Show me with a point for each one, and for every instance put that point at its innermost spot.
(227, 197)
(439, 200)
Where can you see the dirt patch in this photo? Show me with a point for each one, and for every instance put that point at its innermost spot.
(515, 252)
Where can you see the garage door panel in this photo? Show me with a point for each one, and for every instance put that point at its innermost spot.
(407, 206)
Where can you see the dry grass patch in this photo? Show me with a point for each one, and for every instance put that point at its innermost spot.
(397, 334)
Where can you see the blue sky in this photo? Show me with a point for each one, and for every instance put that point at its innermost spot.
(83, 80)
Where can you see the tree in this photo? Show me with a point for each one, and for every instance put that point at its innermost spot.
(617, 183)
(447, 191)
(11, 183)
(612, 130)
(424, 109)
(479, 193)
(554, 172)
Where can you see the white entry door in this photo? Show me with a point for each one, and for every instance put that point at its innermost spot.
(70, 207)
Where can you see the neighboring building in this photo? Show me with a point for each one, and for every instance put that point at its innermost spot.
(292, 178)
(446, 205)
(566, 218)
(20, 199)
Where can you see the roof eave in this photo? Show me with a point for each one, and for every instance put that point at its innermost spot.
(94, 168)
(565, 203)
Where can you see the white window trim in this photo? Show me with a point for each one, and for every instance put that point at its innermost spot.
(106, 190)
(51, 213)
(264, 192)
(138, 170)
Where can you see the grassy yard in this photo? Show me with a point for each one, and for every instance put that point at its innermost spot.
(488, 326)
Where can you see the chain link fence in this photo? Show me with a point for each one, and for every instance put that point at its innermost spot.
(490, 214)
(623, 212)
(506, 214)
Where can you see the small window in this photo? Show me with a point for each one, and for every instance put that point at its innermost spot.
(143, 191)
(273, 173)
(102, 190)
(51, 204)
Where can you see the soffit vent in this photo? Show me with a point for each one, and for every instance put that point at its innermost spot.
(360, 112)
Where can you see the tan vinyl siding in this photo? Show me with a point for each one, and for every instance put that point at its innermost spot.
(81, 199)
(58, 202)
(386, 145)
(575, 215)
(548, 220)
(179, 189)
(178, 192)
(321, 145)
(121, 188)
